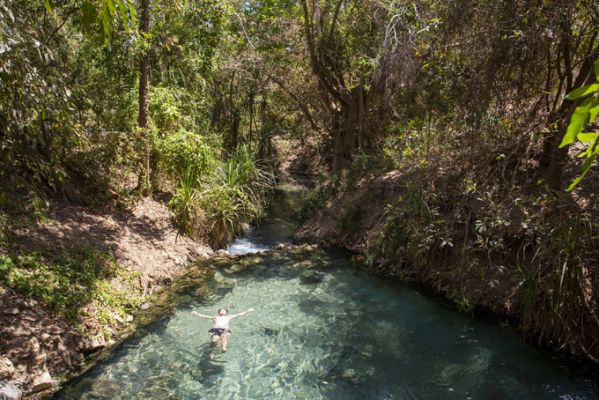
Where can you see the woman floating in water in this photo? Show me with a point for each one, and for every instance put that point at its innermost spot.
(220, 326)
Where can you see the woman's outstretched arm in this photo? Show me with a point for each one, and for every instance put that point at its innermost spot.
(201, 315)
(242, 313)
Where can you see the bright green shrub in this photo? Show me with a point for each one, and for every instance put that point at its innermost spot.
(185, 152)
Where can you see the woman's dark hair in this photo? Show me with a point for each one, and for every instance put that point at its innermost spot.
(220, 309)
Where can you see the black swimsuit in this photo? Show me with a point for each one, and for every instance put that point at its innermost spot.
(218, 331)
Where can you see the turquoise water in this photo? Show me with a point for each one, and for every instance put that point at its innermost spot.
(322, 329)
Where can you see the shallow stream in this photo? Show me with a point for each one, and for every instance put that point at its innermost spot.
(322, 329)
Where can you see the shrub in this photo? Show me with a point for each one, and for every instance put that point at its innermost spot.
(413, 232)
(237, 195)
(220, 198)
(185, 152)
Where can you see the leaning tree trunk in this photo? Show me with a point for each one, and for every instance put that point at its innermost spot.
(350, 129)
(144, 77)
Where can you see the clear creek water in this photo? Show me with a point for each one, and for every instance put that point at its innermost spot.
(322, 330)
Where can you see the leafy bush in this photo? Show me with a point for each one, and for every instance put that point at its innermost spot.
(316, 198)
(363, 164)
(413, 233)
(185, 152)
(220, 198)
(169, 110)
(557, 302)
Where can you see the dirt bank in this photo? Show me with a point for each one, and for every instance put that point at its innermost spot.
(525, 255)
(39, 342)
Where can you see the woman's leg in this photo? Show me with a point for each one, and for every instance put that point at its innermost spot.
(213, 341)
(224, 342)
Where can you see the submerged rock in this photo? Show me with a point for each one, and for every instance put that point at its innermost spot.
(221, 279)
(311, 277)
(269, 331)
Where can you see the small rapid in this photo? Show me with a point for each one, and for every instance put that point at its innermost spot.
(322, 329)
(275, 230)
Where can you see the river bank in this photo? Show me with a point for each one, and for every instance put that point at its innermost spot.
(524, 256)
(74, 282)
(322, 328)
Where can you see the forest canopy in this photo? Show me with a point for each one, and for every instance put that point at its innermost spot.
(89, 86)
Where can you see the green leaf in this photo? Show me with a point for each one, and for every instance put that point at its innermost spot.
(594, 110)
(582, 91)
(110, 6)
(596, 68)
(578, 122)
(132, 12)
(107, 25)
(48, 5)
(587, 137)
(585, 168)
(124, 14)
(89, 14)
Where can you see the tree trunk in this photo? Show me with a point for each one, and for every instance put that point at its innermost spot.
(349, 133)
(144, 76)
(234, 133)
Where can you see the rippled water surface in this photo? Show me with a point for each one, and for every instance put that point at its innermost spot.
(323, 330)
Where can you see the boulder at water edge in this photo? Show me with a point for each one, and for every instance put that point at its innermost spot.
(42, 382)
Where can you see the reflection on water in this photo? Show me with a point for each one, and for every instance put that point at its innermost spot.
(343, 335)
(321, 330)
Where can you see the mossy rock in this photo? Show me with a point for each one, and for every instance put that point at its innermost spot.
(311, 277)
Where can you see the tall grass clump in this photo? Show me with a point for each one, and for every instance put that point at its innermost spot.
(558, 302)
(214, 199)
(237, 195)
(184, 203)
